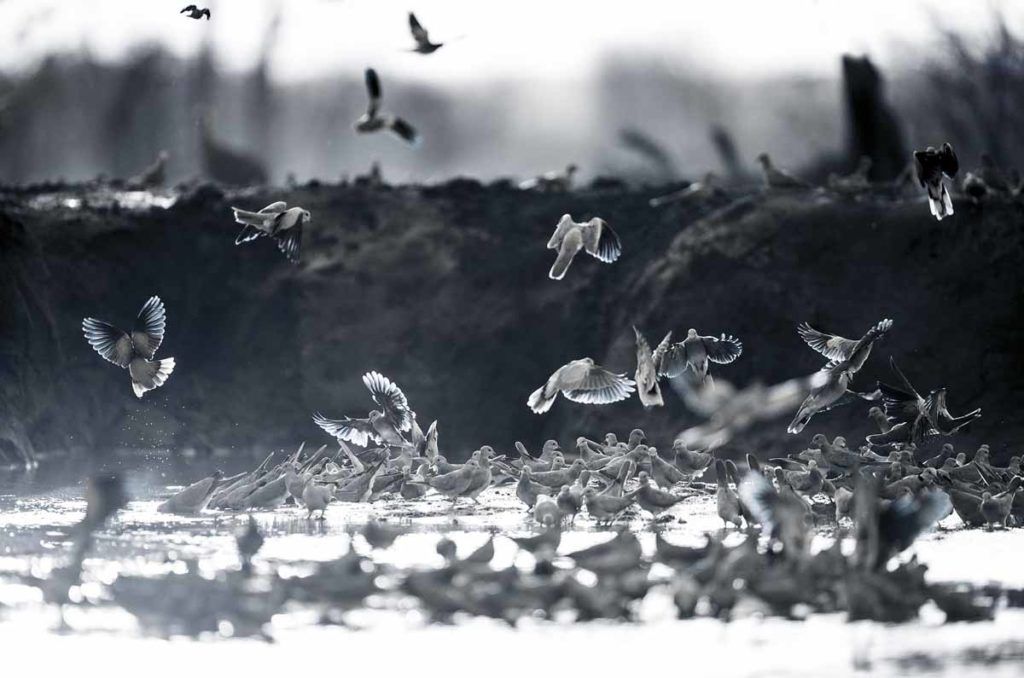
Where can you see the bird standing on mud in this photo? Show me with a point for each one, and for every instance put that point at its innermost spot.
(134, 351)
(846, 357)
(384, 426)
(422, 38)
(276, 221)
(581, 381)
(595, 236)
(194, 12)
(694, 353)
(374, 121)
(932, 165)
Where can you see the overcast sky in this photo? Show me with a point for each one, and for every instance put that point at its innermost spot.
(525, 38)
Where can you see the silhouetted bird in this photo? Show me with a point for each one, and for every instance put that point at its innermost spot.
(581, 381)
(134, 351)
(594, 236)
(374, 120)
(384, 426)
(250, 541)
(422, 38)
(694, 353)
(276, 221)
(932, 165)
(194, 12)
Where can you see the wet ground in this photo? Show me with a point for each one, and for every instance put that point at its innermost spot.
(37, 511)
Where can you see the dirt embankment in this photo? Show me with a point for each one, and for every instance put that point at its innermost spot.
(445, 290)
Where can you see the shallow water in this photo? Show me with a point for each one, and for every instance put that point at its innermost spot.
(36, 512)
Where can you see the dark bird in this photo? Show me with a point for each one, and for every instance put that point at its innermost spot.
(276, 221)
(422, 38)
(134, 351)
(374, 120)
(384, 426)
(932, 165)
(594, 236)
(694, 353)
(249, 540)
(194, 12)
(581, 381)
(647, 387)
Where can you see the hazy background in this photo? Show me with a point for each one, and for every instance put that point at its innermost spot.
(99, 87)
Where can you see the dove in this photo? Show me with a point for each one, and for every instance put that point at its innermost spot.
(664, 473)
(931, 166)
(268, 497)
(316, 497)
(838, 349)
(134, 351)
(546, 511)
(605, 506)
(569, 501)
(618, 555)
(552, 182)
(617, 485)
(194, 498)
(455, 484)
(249, 540)
(380, 535)
(594, 236)
(776, 178)
(546, 541)
(278, 221)
(915, 417)
(483, 554)
(422, 38)
(384, 426)
(647, 387)
(481, 479)
(581, 381)
(995, 509)
(689, 462)
(152, 176)
(527, 490)
(555, 479)
(726, 499)
(359, 488)
(653, 500)
(698, 191)
(373, 120)
(194, 12)
(782, 514)
(694, 353)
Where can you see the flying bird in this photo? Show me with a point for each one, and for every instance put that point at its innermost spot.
(374, 120)
(694, 353)
(646, 373)
(134, 351)
(277, 221)
(581, 381)
(383, 426)
(932, 165)
(838, 349)
(422, 38)
(596, 236)
(196, 13)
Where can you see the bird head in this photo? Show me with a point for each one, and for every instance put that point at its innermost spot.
(691, 333)
(550, 447)
(765, 160)
(644, 479)
(819, 441)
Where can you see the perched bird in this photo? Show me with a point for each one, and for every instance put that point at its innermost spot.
(688, 461)
(374, 120)
(456, 483)
(194, 12)
(653, 500)
(581, 381)
(776, 178)
(134, 351)
(932, 165)
(559, 477)
(422, 38)
(618, 555)
(152, 176)
(481, 479)
(316, 497)
(384, 426)
(194, 498)
(607, 507)
(594, 236)
(694, 353)
(726, 500)
(546, 511)
(707, 188)
(276, 221)
(647, 387)
(782, 514)
(527, 491)
(552, 182)
(570, 501)
(831, 385)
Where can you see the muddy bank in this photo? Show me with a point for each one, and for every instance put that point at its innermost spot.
(445, 289)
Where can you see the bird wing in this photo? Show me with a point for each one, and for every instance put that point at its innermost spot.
(643, 349)
(290, 243)
(373, 91)
(670, 358)
(419, 34)
(722, 350)
(565, 224)
(148, 333)
(659, 352)
(187, 9)
(919, 168)
(831, 346)
(390, 399)
(275, 208)
(601, 241)
(404, 129)
(355, 431)
(948, 161)
(600, 387)
(111, 343)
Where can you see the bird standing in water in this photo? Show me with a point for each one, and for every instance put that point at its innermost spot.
(134, 351)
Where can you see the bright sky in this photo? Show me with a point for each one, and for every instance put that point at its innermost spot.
(525, 38)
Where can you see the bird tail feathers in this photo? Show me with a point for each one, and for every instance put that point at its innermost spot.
(539, 403)
(150, 374)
